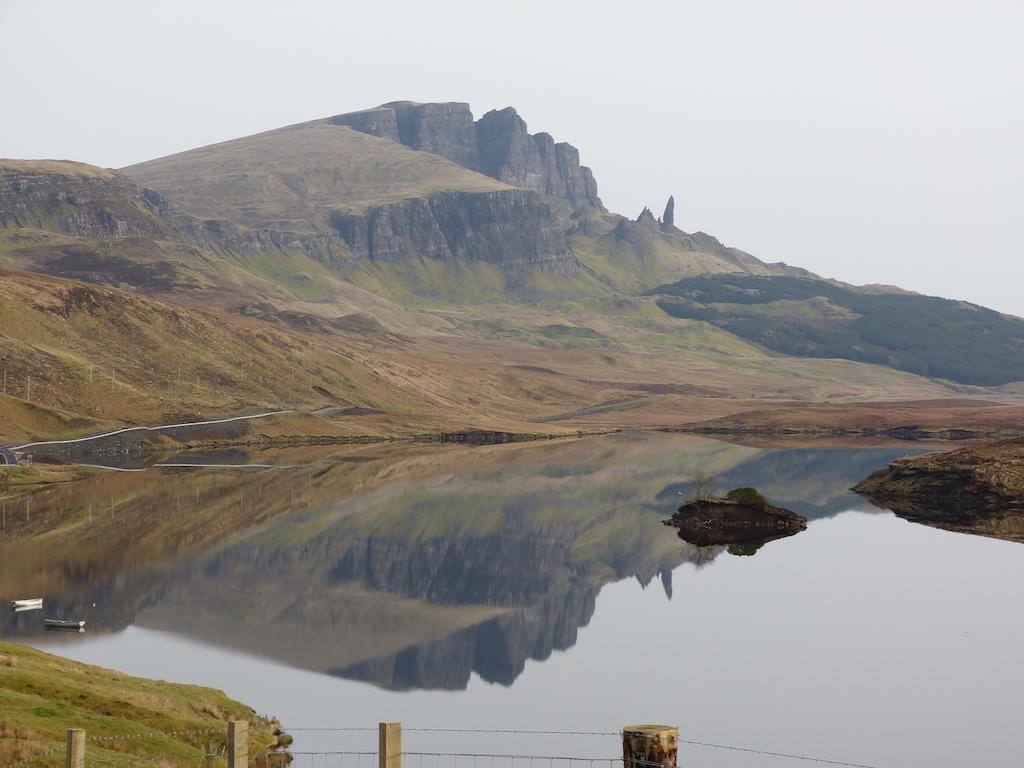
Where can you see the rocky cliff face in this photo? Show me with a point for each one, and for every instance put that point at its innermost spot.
(115, 232)
(498, 144)
(76, 200)
(509, 153)
(514, 229)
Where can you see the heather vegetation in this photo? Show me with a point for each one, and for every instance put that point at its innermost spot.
(925, 335)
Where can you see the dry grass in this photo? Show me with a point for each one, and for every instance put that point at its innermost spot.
(929, 416)
(293, 177)
(69, 168)
(43, 695)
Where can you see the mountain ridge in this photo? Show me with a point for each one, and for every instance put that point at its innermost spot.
(497, 145)
(559, 304)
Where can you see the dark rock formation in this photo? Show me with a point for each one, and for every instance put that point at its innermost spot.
(978, 489)
(444, 129)
(498, 145)
(112, 215)
(668, 219)
(82, 204)
(513, 228)
(708, 522)
(516, 229)
(382, 121)
(646, 219)
(510, 154)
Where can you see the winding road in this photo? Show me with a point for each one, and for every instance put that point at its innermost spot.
(12, 450)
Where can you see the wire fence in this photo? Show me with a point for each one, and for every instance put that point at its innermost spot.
(209, 751)
(37, 759)
(210, 732)
(598, 762)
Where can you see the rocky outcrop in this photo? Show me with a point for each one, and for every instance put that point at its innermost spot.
(76, 200)
(668, 219)
(382, 121)
(646, 219)
(498, 145)
(509, 153)
(514, 228)
(710, 522)
(116, 220)
(444, 129)
(978, 489)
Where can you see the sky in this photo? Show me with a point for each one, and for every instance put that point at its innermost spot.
(874, 141)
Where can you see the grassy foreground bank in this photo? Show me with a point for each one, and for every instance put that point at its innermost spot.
(42, 695)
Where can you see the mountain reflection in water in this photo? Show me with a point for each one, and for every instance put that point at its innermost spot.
(406, 566)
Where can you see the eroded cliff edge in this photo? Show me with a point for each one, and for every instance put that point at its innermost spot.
(498, 145)
(514, 229)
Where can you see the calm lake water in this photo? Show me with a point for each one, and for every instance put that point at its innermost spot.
(533, 586)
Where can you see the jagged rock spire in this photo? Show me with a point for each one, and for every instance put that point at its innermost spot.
(669, 217)
(646, 217)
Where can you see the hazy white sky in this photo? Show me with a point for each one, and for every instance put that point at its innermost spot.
(868, 140)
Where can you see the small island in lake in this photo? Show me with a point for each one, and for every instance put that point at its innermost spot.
(978, 489)
(743, 520)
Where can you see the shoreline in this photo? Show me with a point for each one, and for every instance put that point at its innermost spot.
(44, 462)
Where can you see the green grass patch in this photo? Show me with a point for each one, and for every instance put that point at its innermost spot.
(42, 695)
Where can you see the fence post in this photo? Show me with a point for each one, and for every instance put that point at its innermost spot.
(238, 744)
(75, 756)
(647, 745)
(390, 748)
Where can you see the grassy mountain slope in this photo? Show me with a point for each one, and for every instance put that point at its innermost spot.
(71, 347)
(289, 178)
(456, 301)
(633, 256)
(921, 334)
(41, 695)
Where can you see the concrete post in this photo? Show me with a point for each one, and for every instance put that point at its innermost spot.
(390, 748)
(645, 746)
(75, 755)
(238, 744)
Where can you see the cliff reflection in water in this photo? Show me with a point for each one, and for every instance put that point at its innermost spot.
(405, 566)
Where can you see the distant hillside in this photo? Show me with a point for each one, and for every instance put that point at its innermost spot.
(335, 192)
(447, 271)
(422, 194)
(929, 336)
(293, 178)
(498, 145)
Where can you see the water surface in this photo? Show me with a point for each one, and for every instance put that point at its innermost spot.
(534, 586)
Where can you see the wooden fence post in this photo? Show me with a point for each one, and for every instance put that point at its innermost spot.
(238, 744)
(644, 746)
(390, 748)
(75, 756)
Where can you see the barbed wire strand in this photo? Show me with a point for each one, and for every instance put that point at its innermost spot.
(40, 756)
(524, 731)
(438, 755)
(155, 735)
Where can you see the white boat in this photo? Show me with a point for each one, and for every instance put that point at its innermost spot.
(29, 604)
(63, 624)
